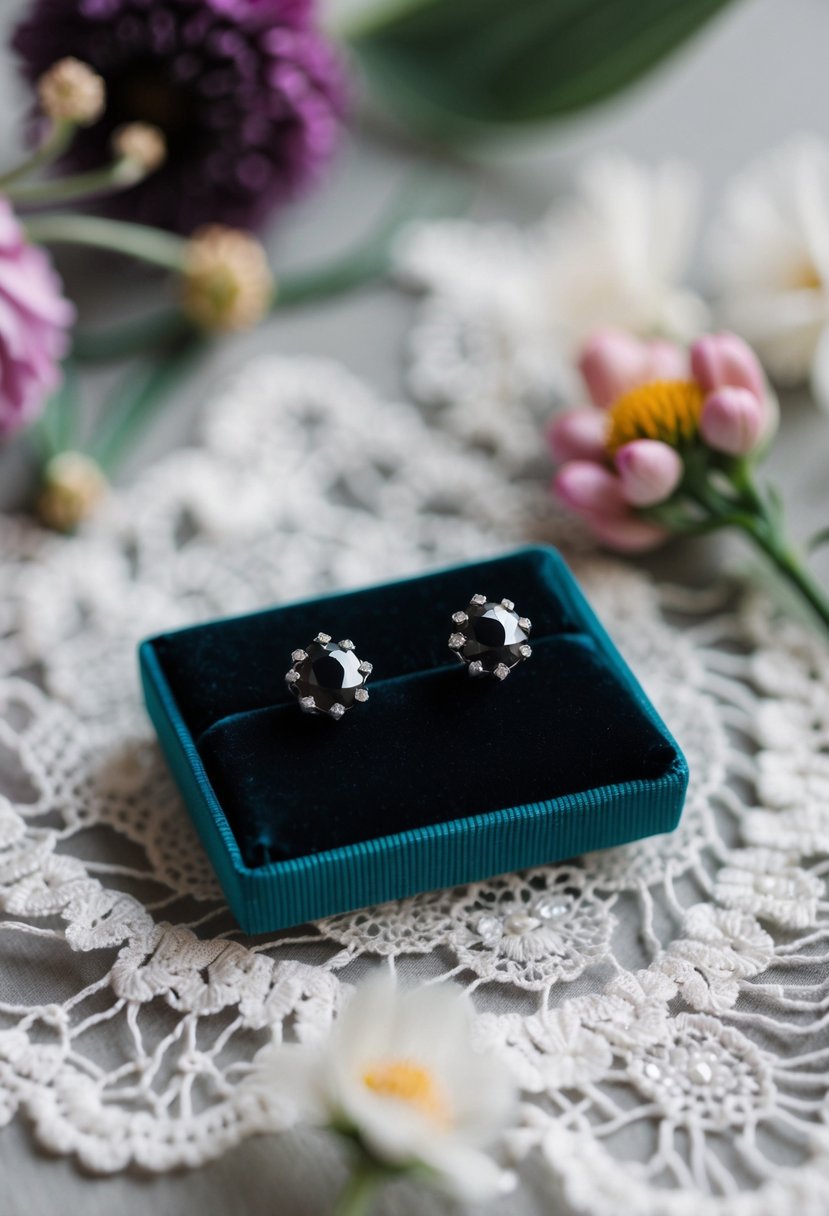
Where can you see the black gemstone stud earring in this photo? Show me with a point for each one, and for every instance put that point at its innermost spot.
(327, 677)
(490, 637)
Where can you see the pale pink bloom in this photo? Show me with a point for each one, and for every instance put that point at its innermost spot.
(612, 362)
(34, 320)
(578, 435)
(589, 488)
(649, 471)
(628, 533)
(724, 359)
(732, 420)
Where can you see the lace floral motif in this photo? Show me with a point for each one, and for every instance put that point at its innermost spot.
(661, 1005)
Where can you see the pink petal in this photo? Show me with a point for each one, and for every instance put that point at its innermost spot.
(732, 420)
(611, 362)
(587, 487)
(724, 359)
(578, 435)
(628, 533)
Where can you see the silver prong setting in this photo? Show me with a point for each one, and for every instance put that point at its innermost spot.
(490, 637)
(327, 678)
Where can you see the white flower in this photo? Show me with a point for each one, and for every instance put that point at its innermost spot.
(398, 1073)
(768, 884)
(769, 255)
(616, 255)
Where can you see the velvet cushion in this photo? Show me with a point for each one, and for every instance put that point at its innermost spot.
(431, 745)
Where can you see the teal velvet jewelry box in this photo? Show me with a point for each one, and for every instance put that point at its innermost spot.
(438, 779)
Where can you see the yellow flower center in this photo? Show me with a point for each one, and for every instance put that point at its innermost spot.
(409, 1082)
(665, 409)
(806, 277)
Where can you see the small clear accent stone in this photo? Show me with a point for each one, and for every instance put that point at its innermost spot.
(308, 704)
(460, 618)
(508, 604)
(366, 668)
(336, 710)
(323, 638)
(291, 676)
(501, 671)
(518, 923)
(346, 644)
(298, 656)
(361, 695)
(525, 651)
(456, 641)
(525, 623)
(476, 669)
(550, 907)
(478, 599)
(490, 929)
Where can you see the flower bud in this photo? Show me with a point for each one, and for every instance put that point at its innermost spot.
(142, 144)
(71, 92)
(227, 282)
(732, 420)
(724, 359)
(649, 471)
(73, 487)
(578, 435)
(611, 362)
(589, 488)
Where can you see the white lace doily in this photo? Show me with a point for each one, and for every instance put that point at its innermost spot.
(666, 1016)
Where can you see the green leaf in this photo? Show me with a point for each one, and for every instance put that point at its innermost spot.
(449, 65)
(819, 539)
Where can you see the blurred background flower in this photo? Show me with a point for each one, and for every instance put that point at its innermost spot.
(34, 322)
(248, 95)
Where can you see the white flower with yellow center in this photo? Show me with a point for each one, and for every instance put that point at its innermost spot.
(769, 257)
(397, 1075)
(617, 253)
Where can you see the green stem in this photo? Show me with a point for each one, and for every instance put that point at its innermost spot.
(135, 240)
(130, 338)
(358, 1193)
(138, 398)
(56, 142)
(787, 562)
(120, 175)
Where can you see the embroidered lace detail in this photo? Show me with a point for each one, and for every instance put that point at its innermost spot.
(662, 1004)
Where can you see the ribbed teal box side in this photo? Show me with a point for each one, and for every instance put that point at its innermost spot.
(444, 854)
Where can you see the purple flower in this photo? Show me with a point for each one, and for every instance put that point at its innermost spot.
(248, 94)
(34, 319)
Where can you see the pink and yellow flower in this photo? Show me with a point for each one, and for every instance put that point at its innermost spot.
(657, 413)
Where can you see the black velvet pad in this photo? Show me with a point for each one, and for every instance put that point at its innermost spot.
(431, 744)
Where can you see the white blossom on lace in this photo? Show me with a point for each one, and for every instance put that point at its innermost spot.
(720, 948)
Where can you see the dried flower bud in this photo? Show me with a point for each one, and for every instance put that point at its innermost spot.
(71, 92)
(73, 487)
(142, 144)
(227, 282)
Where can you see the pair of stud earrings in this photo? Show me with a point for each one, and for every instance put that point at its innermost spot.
(489, 637)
